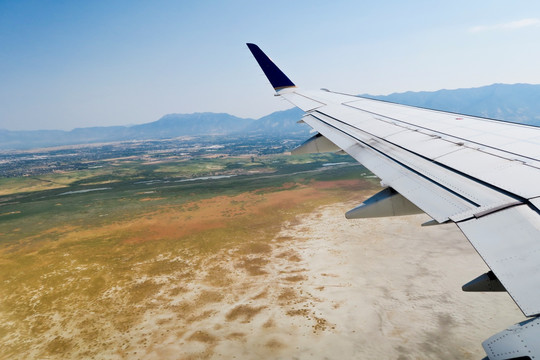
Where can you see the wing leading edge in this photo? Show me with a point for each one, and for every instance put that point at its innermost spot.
(481, 174)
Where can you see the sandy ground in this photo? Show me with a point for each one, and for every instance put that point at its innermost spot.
(323, 288)
(392, 289)
(332, 288)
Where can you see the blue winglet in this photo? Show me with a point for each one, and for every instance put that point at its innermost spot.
(277, 78)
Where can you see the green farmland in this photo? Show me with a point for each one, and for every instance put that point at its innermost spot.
(87, 257)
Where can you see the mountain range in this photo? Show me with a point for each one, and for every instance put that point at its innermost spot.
(169, 126)
(517, 103)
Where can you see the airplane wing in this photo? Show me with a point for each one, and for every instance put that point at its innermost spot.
(481, 174)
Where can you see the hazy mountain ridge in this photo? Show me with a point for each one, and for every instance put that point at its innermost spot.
(172, 125)
(517, 102)
(279, 123)
(169, 126)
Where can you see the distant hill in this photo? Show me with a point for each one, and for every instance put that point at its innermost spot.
(518, 103)
(169, 126)
(279, 123)
(173, 125)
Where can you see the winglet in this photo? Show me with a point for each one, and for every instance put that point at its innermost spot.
(277, 78)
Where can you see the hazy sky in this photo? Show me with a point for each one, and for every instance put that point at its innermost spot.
(67, 64)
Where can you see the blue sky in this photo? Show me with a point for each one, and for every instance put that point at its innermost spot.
(68, 64)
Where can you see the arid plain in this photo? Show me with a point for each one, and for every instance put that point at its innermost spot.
(256, 263)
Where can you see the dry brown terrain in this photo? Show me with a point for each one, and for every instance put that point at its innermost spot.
(261, 275)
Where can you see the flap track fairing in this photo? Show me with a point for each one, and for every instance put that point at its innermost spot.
(385, 203)
(316, 144)
(485, 282)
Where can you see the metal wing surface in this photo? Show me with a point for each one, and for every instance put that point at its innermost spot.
(479, 173)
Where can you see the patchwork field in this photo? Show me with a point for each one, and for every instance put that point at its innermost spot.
(131, 261)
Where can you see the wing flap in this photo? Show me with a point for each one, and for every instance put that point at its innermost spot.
(508, 242)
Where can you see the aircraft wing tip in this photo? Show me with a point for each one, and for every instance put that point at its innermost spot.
(274, 74)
